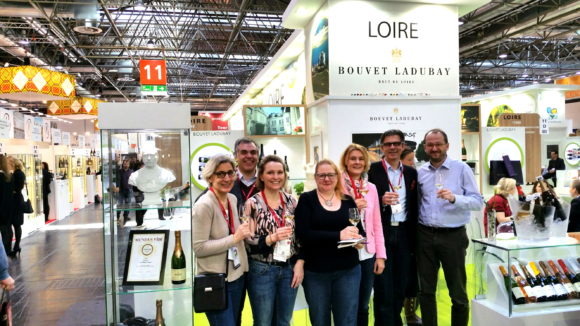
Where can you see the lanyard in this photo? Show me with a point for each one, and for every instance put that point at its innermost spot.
(229, 218)
(249, 194)
(357, 194)
(389, 179)
(280, 221)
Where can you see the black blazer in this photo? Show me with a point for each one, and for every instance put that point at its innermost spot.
(574, 224)
(16, 213)
(378, 176)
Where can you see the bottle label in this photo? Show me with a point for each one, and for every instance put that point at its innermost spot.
(178, 274)
(569, 288)
(529, 291)
(577, 286)
(518, 294)
(550, 290)
(541, 291)
(560, 289)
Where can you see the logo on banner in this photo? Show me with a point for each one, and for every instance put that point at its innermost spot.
(552, 113)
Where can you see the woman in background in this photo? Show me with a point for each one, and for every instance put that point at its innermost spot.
(47, 177)
(408, 157)
(355, 164)
(276, 267)
(17, 213)
(217, 235)
(500, 203)
(5, 204)
(331, 275)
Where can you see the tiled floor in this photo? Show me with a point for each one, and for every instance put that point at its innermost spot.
(60, 274)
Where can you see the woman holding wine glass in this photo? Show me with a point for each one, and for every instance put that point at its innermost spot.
(276, 268)
(331, 275)
(218, 236)
(355, 164)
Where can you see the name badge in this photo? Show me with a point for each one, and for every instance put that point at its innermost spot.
(396, 209)
(234, 257)
(282, 250)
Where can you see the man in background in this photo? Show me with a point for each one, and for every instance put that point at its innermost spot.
(554, 164)
(124, 189)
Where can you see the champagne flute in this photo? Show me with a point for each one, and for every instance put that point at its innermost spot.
(439, 180)
(354, 216)
(244, 218)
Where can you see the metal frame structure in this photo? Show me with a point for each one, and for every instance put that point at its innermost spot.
(214, 48)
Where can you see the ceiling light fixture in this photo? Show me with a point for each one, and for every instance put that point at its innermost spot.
(150, 44)
(139, 5)
(503, 56)
(548, 79)
(524, 75)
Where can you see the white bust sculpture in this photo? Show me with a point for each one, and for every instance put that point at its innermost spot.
(151, 179)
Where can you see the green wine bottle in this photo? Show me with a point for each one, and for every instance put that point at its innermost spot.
(178, 270)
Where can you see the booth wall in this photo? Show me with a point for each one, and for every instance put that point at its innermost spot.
(573, 113)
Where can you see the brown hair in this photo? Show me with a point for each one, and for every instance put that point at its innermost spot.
(4, 167)
(338, 188)
(351, 148)
(262, 165)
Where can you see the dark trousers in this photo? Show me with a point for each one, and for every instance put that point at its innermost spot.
(45, 206)
(124, 198)
(17, 235)
(548, 176)
(367, 280)
(447, 248)
(391, 285)
(140, 214)
(6, 231)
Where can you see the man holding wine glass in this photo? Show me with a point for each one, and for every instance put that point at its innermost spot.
(397, 191)
(448, 192)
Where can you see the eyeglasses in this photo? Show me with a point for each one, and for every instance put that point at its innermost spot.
(222, 174)
(434, 145)
(323, 176)
(396, 144)
(246, 152)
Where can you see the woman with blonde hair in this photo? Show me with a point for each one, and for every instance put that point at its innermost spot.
(331, 275)
(500, 203)
(218, 237)
(355, 164)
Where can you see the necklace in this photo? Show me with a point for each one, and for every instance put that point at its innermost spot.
(327, 202)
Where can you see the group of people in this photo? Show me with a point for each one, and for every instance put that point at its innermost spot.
(247, 226)
(12, 182)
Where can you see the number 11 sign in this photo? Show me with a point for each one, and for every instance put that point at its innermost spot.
(153, 72)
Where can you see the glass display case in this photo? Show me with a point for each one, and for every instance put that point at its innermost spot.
(64, 171)
(139, 251)
(33, 171)
(521, 279)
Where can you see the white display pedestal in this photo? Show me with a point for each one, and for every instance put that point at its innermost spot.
(485, 313)
(79, 200)
(52, 201)
(91, 188)
(62, 207)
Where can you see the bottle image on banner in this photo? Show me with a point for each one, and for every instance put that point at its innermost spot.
(178, 270)
(159, 321)
(286, 164)
(463, 151)
(261, 153)
(517, 292)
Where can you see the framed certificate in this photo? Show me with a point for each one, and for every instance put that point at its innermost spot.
(146, 255)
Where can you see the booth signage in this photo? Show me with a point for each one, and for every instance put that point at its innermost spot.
(56, 136)
(153, 72)
(146, 254)
(392, 49)
(544, 129)
(6, 124)
(35, 150)
(37, 129)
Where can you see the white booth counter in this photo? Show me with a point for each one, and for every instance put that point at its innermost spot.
(61, 207)
(91, 188)
(79, 199)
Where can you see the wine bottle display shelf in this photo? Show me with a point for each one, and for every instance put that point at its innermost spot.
(511, 245)
(168, 287)
(164, 205)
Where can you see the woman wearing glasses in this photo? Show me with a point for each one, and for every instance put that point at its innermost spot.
(355, 165)
(331, 275)
(218, 237)
(276, 269)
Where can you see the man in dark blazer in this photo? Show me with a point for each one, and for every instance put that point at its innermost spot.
(555, 163)
(397, 190)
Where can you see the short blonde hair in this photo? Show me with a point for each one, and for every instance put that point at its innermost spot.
(212, 165)
(505, 186)
(351, 148)
(338, 187)
(16, 163)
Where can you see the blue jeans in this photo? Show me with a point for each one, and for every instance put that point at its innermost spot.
(269, 289)
(229, 316)
(335, 291)
(367, 279)
(124, 197)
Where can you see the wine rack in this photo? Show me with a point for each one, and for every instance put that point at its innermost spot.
(518, 279)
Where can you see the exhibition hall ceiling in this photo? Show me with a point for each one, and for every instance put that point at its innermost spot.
(214, 48)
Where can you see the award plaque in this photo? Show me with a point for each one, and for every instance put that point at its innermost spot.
(146, 254)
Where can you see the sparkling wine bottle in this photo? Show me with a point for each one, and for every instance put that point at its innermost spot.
(560, 289)
(574, 278)
(517, 292)
(261, 152)
(549, 289)
(178, 270)
(159, 321)
(523, 284)
(463, 151)
(569, 286)
(535, 285)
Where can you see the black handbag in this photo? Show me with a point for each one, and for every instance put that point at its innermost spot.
(5, 310)
(26, 204)
(210, 292)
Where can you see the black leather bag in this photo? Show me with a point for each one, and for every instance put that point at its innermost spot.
(5, 310)
(210, 292)
(26, 205)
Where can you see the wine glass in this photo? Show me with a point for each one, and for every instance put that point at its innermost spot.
(364, 191)
(439, 180)
(354, 216)
(244, 218)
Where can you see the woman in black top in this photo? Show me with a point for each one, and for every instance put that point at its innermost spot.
(5, 200)
(16, 213)
(47, 177)
(331, 275)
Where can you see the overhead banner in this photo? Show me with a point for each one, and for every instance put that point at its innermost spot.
(28, 126)
(56, 136)
(37, 129)
(392, 49)
(46, 134)
(65, 138)
(6, 124)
